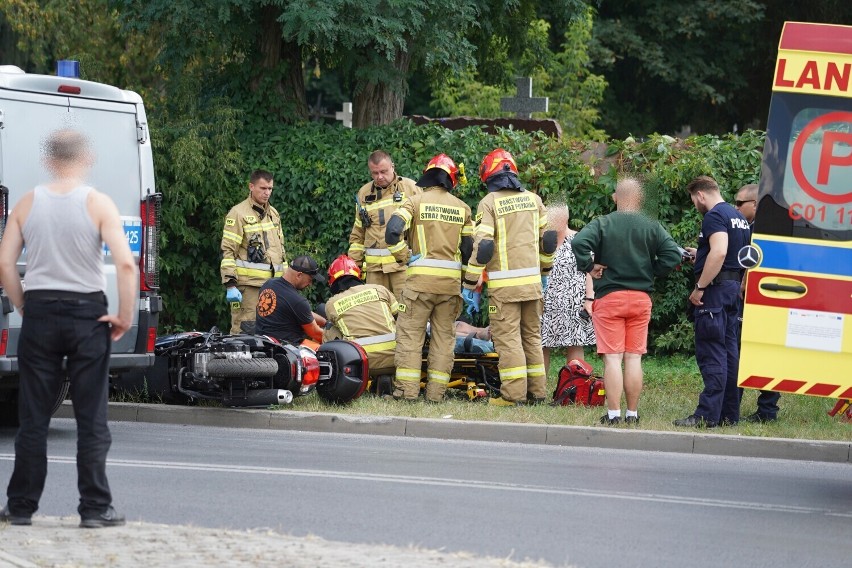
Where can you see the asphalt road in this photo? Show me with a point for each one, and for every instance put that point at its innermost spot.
(564, 505)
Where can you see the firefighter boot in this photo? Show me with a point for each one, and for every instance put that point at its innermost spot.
(436, 385)
(406, 384)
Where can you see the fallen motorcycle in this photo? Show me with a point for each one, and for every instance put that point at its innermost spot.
(250, 370)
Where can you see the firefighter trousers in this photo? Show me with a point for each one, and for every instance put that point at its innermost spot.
(393, 281)
(246, 309)
(516, 332)
(417, 308)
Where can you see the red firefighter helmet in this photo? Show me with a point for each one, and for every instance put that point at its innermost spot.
(493, 163)
(444, 162)
(343, 266)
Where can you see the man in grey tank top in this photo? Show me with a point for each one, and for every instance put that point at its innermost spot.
(63, 225)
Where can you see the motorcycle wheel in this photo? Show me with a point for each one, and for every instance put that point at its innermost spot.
(260, 368)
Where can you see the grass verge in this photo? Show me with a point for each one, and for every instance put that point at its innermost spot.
(671, 389)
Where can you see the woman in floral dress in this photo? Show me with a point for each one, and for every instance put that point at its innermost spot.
(564, 324)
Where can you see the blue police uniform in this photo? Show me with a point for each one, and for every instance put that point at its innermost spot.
(717, 320)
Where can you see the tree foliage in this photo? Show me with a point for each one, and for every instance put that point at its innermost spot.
(664, 59)
(563, 75)
(254, 50)
(707, 64)
(86, 30)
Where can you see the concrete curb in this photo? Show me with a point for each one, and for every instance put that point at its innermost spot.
(549, 434)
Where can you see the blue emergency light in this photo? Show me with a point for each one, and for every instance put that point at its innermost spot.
(68, 68)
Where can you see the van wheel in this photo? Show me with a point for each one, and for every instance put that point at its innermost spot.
(60, 398)
(9, 407)
(9, 411)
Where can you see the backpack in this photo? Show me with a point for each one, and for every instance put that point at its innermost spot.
(577, 385)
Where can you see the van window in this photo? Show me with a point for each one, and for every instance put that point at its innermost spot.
(809, 142)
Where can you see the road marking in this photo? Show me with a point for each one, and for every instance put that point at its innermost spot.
(449, 482)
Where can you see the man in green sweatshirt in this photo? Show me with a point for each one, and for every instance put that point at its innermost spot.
(624, 251)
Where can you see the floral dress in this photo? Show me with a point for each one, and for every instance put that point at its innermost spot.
(561, 324)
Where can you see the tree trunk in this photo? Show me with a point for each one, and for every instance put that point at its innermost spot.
(283, 60)
(381, 103)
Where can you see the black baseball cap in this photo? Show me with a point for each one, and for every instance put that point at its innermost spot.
(307, 265)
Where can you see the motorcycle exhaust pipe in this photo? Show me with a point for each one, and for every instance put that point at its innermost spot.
(261, 397)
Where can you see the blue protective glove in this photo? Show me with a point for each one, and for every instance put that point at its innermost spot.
(544, 284)
(233, 294)
(414, 258)
(471, 300)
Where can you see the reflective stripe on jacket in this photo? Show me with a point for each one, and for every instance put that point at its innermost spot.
(365, 314)
(515, 221)
(367, 245)
(436, 221)
(244, 224)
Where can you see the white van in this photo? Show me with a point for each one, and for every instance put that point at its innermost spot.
(33, 106)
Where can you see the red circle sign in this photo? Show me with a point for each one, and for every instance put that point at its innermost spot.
(799, 174)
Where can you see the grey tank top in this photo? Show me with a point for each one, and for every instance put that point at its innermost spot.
(63, 245)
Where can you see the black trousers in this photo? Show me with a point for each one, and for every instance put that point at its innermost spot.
(54, 329)
(717, 352)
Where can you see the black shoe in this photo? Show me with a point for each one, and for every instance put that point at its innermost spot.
(631, 420)
(109, 518)
(758, 418)
(694, 421)
(535, 401)
(12, 519)
(605, 419)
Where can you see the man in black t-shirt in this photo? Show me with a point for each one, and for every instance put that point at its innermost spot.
(715, 302)
(282, 312)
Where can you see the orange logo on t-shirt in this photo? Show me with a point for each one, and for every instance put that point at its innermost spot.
(266, 302)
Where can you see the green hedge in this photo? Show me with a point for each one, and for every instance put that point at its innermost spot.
(202, 171)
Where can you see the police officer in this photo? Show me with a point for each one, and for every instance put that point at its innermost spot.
(513, 245)
(441, 232)
(375, 203)
(363, 313)
(252, 249)
(715, 301)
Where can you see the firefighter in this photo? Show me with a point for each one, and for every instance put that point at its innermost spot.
(252, 249)
(440, 229)
(375, 202)
(512, 244)
(363, 313)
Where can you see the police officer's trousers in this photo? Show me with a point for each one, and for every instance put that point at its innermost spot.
(516, 332)
(717, 352)
(417, 308)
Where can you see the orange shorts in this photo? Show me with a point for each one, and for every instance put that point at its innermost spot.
(621, 322)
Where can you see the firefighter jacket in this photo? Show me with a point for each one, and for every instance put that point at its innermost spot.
(375, 206)
(509, 245)
(252, 245)
(440, 230)
(365, 314)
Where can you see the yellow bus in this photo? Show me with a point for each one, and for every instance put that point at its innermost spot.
(797, 324)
